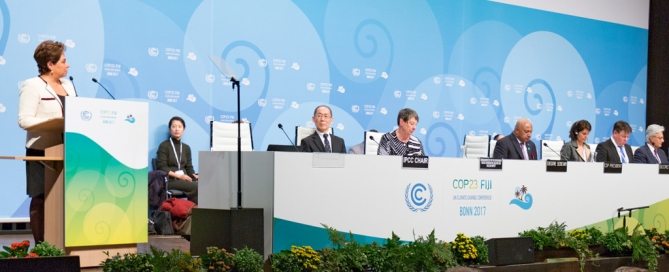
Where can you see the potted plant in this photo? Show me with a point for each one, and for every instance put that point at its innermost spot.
(550, 242)
(296, 259)
(43, 257)
(217, 259)
(247, 260)
(643, 249)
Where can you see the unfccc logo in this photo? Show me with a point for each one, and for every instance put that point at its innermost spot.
(418, 197)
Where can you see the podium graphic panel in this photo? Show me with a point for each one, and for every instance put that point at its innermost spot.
(106, 143)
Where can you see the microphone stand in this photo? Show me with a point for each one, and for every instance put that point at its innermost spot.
(235, 82)
(629, 213)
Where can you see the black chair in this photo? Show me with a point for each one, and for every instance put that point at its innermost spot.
(169, 192)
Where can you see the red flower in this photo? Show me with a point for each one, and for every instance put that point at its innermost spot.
(32, 255)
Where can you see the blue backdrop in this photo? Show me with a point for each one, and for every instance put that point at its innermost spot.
(467, 67)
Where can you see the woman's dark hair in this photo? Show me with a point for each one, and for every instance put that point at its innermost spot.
(577, 127)
(176, 118)
(406, 114)
(48, 51)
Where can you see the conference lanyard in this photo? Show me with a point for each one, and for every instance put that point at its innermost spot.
(175, 153)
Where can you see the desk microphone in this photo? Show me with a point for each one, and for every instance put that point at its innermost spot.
(74, 87)
(103, 87)
(288, 137)
(556, 153)
(371, 137)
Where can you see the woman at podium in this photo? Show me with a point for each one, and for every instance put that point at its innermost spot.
(42, 98)
(401, 142)
(174, 157)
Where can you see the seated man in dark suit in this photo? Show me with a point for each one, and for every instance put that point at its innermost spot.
(517, 145)
(616, 149)
(322, 140)
(652, 151)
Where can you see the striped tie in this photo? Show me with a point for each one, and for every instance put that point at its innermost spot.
(328, 148)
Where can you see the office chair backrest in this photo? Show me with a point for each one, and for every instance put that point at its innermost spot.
(223, 136)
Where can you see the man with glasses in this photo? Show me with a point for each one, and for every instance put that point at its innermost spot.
(616, 149)
(322, 140)
(652, 151)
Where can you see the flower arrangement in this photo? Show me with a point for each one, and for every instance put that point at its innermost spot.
(21, 250)
(17, 250)
(307, 257)
(217, 259)
(464, 249)
(298, 258)
(659, 240)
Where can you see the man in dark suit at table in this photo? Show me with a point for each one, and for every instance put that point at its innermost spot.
(517, 145)
(652, 151)
(616, 149)
(322, 140)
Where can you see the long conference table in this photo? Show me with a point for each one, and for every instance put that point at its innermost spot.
(374, 196)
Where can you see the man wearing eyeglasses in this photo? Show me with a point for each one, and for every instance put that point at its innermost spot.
(322, 140)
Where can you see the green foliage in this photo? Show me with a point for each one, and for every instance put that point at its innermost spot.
(395, 254)
(174, 261)
(217, 259)
(129, 262)
(555, 236)
(617, 242)
(286, 261)
(428, 254)
(423, 254)
(552, 236)
(247, 260)
(643, 248)
(589, 236)
(482, 248)
(375, 256)
(46, 249)
(347, 255)
(580, 246)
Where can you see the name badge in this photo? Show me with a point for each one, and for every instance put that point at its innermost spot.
(613, 168)
(490, 164)
(556, 166)
(415, 161)
(664, 169)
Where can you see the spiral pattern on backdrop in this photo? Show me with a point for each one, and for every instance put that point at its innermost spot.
(537, 97)
(660, 222)
(441, 140)
(235, 54)
(123, 186)
(102, 230)
(86, 199)
(487, 79)
(4, 36)
(367, 40)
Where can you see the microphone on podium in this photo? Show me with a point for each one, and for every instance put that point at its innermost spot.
(371, 137)
(103, 87)
(556, 153)
(74, 87)
(288, 137)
